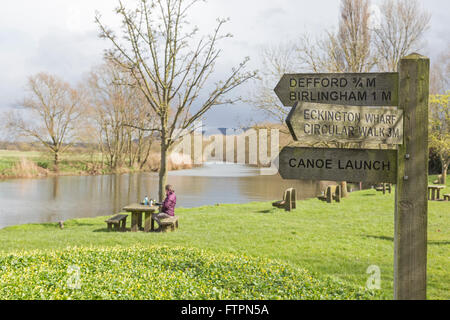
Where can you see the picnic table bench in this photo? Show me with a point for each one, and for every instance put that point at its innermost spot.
(432, 190)
(119, 221)
(167, 223)
(447, 197)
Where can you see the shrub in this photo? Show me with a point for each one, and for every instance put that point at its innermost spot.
(159, 273)
(43, 164)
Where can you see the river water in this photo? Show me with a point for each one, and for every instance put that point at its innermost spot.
(66, 197)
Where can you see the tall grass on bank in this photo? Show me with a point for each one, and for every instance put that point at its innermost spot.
(25, 168)
(29, 164)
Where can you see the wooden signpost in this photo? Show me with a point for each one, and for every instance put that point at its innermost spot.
(389, 108)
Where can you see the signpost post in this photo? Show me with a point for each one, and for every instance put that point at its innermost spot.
(364, 109)
(411, 206)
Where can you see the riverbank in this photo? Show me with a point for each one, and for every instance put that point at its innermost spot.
(336, 241)
(35, 164)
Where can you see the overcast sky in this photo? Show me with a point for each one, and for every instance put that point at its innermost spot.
(60, 37)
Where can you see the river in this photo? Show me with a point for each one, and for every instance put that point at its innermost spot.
(65, 197)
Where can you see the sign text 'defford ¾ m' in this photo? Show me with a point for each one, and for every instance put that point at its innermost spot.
(338, 164)
(314, 122)
(357, 89)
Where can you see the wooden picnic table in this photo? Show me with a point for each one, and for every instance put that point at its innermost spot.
(137, 210)
(432, 192)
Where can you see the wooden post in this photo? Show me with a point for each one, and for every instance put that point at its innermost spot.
(410, 239)
(139, 220)
(148, 218)
(287, 200)
(294, 199)
(134, 221)
(152, 223)
(338, 193)
(329, 195)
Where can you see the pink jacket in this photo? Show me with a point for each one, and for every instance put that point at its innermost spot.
(169, 203)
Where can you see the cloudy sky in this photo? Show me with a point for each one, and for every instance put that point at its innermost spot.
(60, 37)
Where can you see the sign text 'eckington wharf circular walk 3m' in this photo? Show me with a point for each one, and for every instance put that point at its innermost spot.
(314, 122)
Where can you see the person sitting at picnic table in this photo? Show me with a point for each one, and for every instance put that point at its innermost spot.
(167, 208)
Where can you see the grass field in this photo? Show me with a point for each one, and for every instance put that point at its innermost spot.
(337, 241)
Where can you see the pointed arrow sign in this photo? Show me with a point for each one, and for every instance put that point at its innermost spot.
(314, 122)
(355, 89)
(338, 164)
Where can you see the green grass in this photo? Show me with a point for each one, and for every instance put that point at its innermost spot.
(14, 154)
(70, 162)
(6, 164)
(37, 155)
(338, 240)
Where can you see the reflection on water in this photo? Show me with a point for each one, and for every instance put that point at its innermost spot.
(61, 198)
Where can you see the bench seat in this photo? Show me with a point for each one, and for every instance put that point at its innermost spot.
(119, 221)
(167, 223)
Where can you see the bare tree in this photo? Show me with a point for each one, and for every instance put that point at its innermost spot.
(354, 37)
(277, 60)
(108, 108)
(52, 112)
(118, 111)
(347, 50)
(170, 66)
(136, 121)
(440, 73)
(399, 32)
